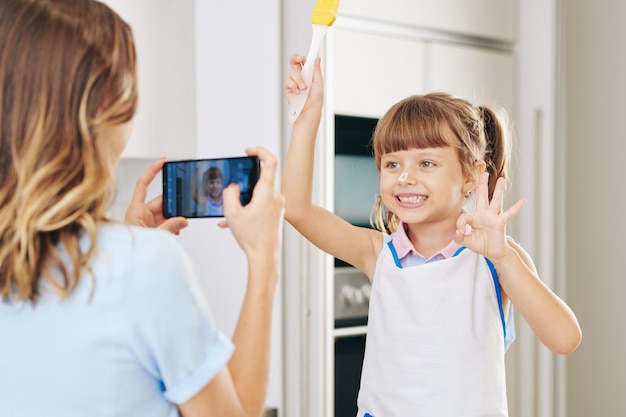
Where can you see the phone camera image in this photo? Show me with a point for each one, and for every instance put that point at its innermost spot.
(193, 188)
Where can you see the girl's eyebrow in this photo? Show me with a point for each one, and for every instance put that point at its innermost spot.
(421, 153)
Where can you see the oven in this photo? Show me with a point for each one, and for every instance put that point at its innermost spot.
(352, 289)
(356, 185)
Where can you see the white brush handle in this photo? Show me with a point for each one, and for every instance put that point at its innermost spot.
(297, 102)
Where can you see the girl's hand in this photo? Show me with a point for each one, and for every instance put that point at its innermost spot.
(488, 223)
(295, 84)
(140, 213)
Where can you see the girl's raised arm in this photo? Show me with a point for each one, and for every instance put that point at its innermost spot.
(355, 245)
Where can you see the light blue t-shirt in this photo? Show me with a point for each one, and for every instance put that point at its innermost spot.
(133, 340)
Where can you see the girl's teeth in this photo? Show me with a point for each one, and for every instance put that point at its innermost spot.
(412, 199)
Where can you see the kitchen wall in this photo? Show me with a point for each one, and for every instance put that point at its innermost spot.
(238, 93)
(594, 145)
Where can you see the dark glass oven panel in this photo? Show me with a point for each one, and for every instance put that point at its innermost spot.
(349, 353)
(356, 175)
(353, 135)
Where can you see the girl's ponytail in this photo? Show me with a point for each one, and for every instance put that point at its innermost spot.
(496, 126)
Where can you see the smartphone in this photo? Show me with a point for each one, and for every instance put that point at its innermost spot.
(193, 188)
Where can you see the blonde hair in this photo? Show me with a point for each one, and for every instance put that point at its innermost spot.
(68, 68)
(479, 133)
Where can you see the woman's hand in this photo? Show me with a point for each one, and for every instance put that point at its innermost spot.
(140, 213)
(240, 388)
(488, 223)
(257, 227)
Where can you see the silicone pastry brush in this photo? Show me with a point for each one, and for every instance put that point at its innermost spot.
(322, 17)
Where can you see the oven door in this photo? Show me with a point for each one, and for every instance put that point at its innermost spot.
(352, 290)
(349, 352)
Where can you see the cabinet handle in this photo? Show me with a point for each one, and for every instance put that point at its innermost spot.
(349, 331)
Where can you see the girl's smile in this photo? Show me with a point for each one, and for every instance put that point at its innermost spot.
(411, 200)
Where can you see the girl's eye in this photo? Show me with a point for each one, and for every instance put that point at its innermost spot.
(391, 164)
(427, 164)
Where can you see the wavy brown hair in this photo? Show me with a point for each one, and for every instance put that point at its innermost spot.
(479, 133)
(67, 68)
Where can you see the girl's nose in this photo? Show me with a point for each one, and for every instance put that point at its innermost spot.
(405, 178)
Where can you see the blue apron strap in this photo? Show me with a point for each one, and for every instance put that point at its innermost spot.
(395, 255)
(496, 284)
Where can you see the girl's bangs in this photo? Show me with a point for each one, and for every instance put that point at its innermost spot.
(408, 131)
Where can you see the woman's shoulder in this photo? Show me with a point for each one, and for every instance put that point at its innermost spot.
(123, 234)
(139, 245)
(138, 255)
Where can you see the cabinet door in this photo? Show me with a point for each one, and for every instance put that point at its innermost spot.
(372, 72)
(486, 18)
(483, 77)
(165, 123)
(479, 75)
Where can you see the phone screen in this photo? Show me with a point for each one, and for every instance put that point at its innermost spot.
(193, 188)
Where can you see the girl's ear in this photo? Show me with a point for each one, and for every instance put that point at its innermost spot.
(472, 178)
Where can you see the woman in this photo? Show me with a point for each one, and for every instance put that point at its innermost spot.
(97, 317)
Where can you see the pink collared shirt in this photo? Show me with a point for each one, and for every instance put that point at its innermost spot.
(410, 257)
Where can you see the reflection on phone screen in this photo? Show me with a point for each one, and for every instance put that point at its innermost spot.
(194, 188)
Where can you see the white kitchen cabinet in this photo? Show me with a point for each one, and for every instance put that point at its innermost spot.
(165, 123)
(482, 76)
(494, 19)
(371, 72)
(477, 74)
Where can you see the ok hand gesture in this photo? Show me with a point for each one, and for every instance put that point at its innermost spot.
(488, 224)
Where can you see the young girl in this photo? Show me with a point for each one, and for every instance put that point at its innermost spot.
(99, 318)
(443, 279)
(208, 196)
(213, 181)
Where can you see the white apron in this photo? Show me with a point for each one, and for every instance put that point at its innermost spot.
(435, 340)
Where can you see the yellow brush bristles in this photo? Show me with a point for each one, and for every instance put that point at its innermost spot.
(325, 12)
